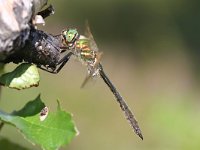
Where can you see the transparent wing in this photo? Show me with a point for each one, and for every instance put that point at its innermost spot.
(93, 47)
(93, 72)
(87, 78)
(89, 35)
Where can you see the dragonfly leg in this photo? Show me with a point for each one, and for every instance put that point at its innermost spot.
(63, 61)
(63, 49)
(56, 36)
(43, 68)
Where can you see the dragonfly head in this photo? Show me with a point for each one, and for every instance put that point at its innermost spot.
(69, 37)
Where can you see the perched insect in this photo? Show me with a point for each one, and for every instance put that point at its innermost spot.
(86, 50)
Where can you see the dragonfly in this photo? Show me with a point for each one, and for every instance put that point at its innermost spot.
(85, 49)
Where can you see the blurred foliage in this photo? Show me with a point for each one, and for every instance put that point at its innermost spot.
(151, 52)
(8, 145)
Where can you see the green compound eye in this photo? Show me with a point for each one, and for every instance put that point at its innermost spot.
(70, 35)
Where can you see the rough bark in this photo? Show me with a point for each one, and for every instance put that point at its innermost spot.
(15, 23)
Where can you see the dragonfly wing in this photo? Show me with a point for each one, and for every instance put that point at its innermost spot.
(93, 69)
(87, 78)
(89, 35)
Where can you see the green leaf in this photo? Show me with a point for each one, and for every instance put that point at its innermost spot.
(24, 76)
(56, 130)
(31, 108)
(5, 144)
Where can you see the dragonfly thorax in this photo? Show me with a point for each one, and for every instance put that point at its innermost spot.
(84, 51)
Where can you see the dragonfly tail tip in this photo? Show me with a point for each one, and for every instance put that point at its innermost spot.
(140, 135)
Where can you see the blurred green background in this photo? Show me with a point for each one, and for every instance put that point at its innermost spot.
(151, 53)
